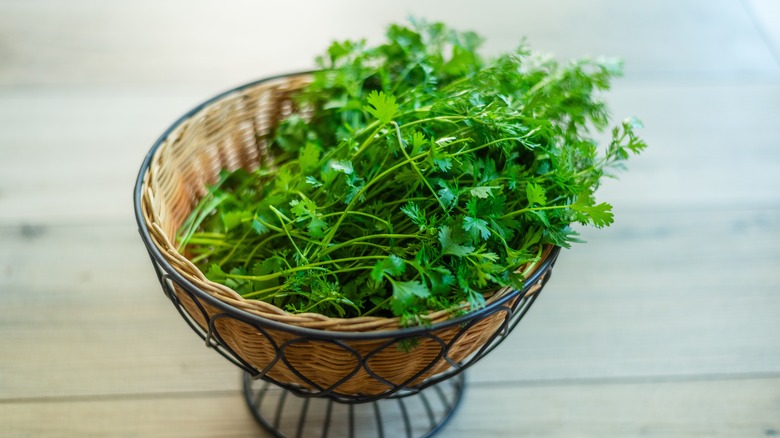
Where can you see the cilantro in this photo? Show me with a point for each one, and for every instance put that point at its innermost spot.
(482, 192)
(309, 157)
(259, 227)
(477, 227)
(599, 215)
(414, 176)
(536, 194)
(450, 246)
(392, 265)
(405, 293)
(381, 106)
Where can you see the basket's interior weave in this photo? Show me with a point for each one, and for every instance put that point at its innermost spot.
(230, 133)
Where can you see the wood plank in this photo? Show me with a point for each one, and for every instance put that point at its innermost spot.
(83, 165)
(717, 408)
(655, 295)
(83, 313)
(93, 42)
(708, 145)
(193, 415)
(672, 292)
(73, 155)
(726, 408)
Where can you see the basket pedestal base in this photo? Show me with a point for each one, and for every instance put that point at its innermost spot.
(411, 414)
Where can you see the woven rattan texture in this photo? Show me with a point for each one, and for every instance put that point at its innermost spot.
(230, 133)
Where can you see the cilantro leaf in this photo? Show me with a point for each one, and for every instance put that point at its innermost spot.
(441, 280)
(381, 106)
(341, 166)
(447, 195)
(536, 194)
(232, 219)
(309, 157)
(259, 227)
(317, 227)
(476, 227)
(313, 181)
(215, 273)
(599, 215)
(418, 142)
(405, 294)
(449, 246)
(416, 215)
(482, 192)
(392, 265)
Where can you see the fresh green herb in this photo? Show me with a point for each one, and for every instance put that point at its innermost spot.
(415, 176)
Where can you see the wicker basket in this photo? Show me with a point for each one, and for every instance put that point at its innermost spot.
(310, 352)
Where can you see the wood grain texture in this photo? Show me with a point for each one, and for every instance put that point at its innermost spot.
(83, 313)
(96, 42)
(70, 156)
(723, 408)
(660, 293)
(728, 408)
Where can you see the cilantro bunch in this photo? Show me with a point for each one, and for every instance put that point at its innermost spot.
(414, 176)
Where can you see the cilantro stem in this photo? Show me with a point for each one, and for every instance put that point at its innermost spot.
(306, 267)
(414, 166)
(284, 228)
(198, 216)
(448, 119)
(235, 247)
(275, 274)
(362, 238)
(202, 256)
(258, 294)
(359, 213)
(406, 200)
(207, 241)
(526, 210)
(484, 145)
(332, 233)
(378, 306)
(367, 141)
(285, 232)
(260, 246)
(346, 259)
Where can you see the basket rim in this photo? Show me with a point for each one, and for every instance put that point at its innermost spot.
(173, 274)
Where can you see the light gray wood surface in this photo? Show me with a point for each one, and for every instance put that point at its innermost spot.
(665, 324)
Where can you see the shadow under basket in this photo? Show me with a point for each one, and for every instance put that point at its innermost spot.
(350, 360)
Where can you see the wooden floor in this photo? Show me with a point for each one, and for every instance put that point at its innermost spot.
(666, 324)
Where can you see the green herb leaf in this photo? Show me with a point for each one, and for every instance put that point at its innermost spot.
(599, 215)
(309, 157)
(259, 227)
(476, 227)
(392, 265)
(382, 106)
(449, 245)
(405, 294)
(482, 192)
(232, 219)
(536, 195)
(342, 166)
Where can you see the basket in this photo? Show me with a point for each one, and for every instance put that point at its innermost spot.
(352, 359)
